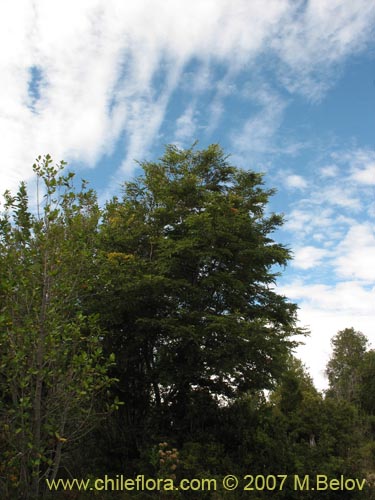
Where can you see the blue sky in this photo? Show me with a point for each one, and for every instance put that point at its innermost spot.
(286, 87)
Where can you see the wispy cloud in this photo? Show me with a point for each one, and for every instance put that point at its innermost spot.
(326, 309)
(343, 183)
(334, 257)
(258, 131)
(362, 164)
(308, 257)
(329, 171)
(315, 37)
(186, 125)
(348, 297)
(356, 253)
(108, 70)
(294, 181)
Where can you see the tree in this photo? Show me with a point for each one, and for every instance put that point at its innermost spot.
(343, 368)
(51, 361)
(351, 375)
(367, 387)
(190, 279)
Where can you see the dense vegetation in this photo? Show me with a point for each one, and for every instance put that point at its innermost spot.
(147, 337)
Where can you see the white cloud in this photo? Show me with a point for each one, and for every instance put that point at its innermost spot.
(361, 163)
(224, 88)
(356, 253)
(348, 233)
(186, 125)
(336, 200)
(110, 68)
(309, 219)
(99, 61)
(308, 257)
(339, 195)
(336, 288)
(258, 131)
(329, 171)
(295, 181)
(323, 326)
(315, 37)
(351, 297)
(363, 167)
(326, 309)
(365, 175)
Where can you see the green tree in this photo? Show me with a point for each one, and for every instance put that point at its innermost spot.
(51, 361)
(191, 268)
(344, 366)
(367, 388)
(304, 433)
(351, 375)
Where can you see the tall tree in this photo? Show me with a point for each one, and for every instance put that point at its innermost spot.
(351, 375)
(51, 360)
(367, 388)
(344, 367)
(190, 279)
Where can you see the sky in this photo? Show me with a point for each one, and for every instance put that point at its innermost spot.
(286, 87)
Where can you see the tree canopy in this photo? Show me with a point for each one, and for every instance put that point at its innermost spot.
(344, 366)
(192, 267)
(148, 337)
(51, 359)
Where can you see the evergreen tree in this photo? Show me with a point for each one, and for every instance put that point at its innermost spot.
(191, 268)
(344, 367)
(367, 388)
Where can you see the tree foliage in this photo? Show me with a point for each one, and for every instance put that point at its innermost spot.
(190, 279)
(51, 360)
(344, 367)
(351, 375)
(177, 277)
